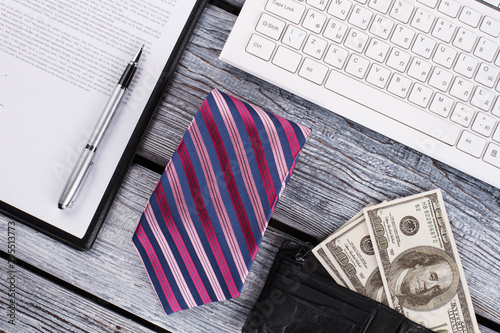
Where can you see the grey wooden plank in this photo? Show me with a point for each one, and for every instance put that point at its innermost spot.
(112, 270)
(343, 167)
(485, 329)
(235, 3)
(33, 304)
(332, 181)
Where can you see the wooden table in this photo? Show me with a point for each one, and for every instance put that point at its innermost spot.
(343, 167)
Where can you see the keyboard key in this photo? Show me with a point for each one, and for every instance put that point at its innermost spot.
(287, 9)
(415, 117)
(466, 65)
(444, 30)
(470, 17)
(356, 40)
(419, 69)
(424, 46)
(420, 95)
(487, 75)
(287, 59)
(449, 7)
(465, 39)
(335, 31)
(440, 79)
(320, 4)
(402, 11)
(441, 105)
(260, 47)
(398, 60)
(496, 135)
(313, 71)
(496, 109)
(445, 55)
(381, 27)
(270, 26)
(492, 155)
(486, 49)
(377, 50)
(403, 36)
(399, 85)
(360, 17)
(314, 21)
(461, 89)
(483, 124)
(340, 8)
(357, 66)
(490, 26)
(380, 5)
(378, 76)
(294, 37)
(483, 98)
(422, 20)
(315, 47)
(471, 144)
(428, 3)
(336, 56)
(462, 114)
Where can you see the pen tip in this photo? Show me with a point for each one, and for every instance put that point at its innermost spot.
(138, 54)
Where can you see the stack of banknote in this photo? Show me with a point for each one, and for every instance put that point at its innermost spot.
(402, 253)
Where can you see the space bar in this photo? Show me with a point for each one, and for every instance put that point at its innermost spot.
(394, 108)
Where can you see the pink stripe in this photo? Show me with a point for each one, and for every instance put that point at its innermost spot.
(167, 253)
(160, 275)
(305, 131)
(290, 134)
(181, 246)
(220, 209)
(205, 220)
(275, 142)
(193, 235)
(257, 148)
(225, 164)
(242, 161)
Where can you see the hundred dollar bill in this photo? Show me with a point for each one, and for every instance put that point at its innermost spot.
(351, 252)
(320, 251)
(419, 263)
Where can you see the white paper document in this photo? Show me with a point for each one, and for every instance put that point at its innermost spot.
(59, 61)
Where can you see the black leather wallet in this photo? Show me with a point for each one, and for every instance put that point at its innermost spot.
(300, 296)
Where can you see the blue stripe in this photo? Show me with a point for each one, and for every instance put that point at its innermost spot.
(238, 175)
(209, 205)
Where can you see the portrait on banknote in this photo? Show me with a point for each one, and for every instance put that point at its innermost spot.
(423, 278)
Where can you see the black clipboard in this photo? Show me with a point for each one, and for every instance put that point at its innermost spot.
(85, 243)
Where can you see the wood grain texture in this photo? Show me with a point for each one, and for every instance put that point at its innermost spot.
(343, 167)
(112, 270)
(41, 306)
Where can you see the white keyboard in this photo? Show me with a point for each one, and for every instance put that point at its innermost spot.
(425, 72)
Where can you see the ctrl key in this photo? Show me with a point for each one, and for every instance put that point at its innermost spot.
(492, 155)
(260, 47)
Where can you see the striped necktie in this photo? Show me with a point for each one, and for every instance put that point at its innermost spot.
(202, 226)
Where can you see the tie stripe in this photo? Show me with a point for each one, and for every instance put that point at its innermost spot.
(216, 198)
(202, 226)
(192, 234)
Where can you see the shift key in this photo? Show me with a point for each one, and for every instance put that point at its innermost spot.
(287, 9)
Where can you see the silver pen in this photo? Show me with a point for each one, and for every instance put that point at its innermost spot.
(85, 161)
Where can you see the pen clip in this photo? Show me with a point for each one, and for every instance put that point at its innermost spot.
(77, 178)
(81, 185)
